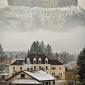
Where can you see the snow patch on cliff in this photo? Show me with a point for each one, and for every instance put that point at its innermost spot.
(3, 4)
(22, 17)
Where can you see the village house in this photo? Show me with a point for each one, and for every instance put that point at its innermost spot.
(38, 62)
(31, 78)
(3, 75)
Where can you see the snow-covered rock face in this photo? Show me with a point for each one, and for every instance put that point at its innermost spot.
(27, 18)
(40, 17)
(81, 3)
(3, 3)
(43, 3)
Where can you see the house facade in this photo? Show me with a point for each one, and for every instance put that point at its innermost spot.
(38, 62)
(31, 78)
(3, 76)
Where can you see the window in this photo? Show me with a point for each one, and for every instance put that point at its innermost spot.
(46, 61)
(54, 82)
(20, 68)
(13, 69)
(39, 60)
(22, 75)
(28, 61)
(43, 83)
(60, 68)
(40, 67)
(34, 67)
(53, 74)
(46, 83)
(34, 61)
(60, 74)
(53, 68)
(3, 76)
(46, 67)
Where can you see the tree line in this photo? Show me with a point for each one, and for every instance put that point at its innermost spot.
(81, 66)
(40, 48)
(3, 57)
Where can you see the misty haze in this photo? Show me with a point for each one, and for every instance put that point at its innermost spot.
(62, 25)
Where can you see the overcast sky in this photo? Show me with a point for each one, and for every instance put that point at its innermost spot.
(71, 41)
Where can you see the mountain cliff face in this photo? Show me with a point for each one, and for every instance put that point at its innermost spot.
(41, 14)
(26, 18)
(3, 3)
(42, 3)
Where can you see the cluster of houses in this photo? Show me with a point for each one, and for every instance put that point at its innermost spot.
(33, 70)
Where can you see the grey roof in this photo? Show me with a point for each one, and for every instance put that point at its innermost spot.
(37, 75)
(40, 75)
(37, 56)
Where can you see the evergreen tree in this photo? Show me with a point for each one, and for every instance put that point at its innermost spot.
(48, 50)
(81, 64)
(56, 55)
(28, 52)
(42, 47)
(35, 48)
(1, 51)
(2, 56)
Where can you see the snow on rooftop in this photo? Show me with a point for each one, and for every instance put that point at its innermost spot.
(24, 81)
(6, 74)
(20, 59)
(40, 75)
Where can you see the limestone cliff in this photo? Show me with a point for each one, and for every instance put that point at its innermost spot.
(3, 3)
(43, 3)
